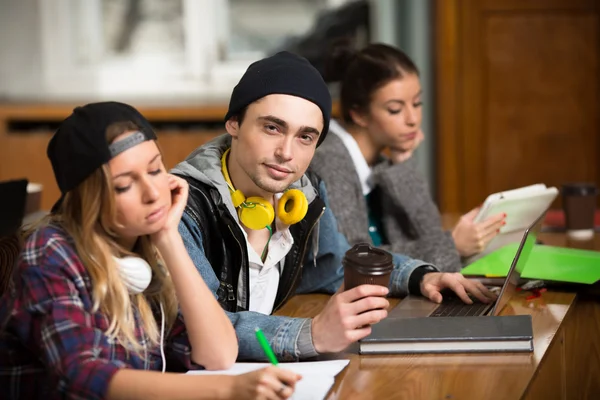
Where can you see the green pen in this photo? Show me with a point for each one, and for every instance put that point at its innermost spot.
(264, 343)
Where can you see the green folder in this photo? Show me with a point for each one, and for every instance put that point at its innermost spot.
(545, 262)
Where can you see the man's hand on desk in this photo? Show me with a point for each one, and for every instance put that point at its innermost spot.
(348, 316)
(434, 282)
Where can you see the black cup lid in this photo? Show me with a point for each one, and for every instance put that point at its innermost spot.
(579, 189)
(365, 255)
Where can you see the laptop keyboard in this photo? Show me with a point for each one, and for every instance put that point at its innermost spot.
(455, 307)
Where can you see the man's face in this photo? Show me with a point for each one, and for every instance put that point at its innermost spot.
(276, 140)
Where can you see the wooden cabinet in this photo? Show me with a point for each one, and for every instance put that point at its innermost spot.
(26, 129)
(23, 151)
(518, 96)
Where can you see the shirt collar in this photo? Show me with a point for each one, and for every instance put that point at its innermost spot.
(360, 164)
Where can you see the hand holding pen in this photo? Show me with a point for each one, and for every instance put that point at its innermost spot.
(267, 383)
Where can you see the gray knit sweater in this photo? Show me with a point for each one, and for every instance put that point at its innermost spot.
(411, 221)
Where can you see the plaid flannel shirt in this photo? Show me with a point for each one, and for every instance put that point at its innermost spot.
(52, 345)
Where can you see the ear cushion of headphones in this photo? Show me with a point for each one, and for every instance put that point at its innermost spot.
(258, 216)
(292, 207)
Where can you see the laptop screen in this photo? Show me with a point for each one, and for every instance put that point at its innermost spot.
(514, 274)
(13, 195)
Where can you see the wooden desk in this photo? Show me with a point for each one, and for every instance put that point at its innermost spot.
(23, 153)
(582, 329)
(565, 363)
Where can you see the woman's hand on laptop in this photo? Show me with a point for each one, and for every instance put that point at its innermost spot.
(434, 282)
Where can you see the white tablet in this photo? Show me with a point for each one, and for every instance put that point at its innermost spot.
(522, 206)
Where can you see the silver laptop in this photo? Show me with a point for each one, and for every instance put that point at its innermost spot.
(452, 306)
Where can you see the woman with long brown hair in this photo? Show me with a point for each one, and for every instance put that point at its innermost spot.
(105, 296)
(375, 189)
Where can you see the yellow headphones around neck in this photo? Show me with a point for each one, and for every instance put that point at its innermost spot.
(257, 213)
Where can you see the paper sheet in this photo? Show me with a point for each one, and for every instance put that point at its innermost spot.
(317, 377)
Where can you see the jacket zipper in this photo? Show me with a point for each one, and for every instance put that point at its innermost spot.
(292, 286)
(228, 286)
(244, 262)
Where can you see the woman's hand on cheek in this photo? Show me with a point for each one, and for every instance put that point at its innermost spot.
(179, 194)
(399, 154)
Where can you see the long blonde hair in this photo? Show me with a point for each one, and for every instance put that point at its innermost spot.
(87, 213)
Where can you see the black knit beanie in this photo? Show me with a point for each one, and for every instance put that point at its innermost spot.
(283, 73)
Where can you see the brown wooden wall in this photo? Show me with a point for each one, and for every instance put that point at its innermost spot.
(23, 153)
(517, 96)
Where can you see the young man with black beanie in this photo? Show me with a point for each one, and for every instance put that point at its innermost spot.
(278, 114)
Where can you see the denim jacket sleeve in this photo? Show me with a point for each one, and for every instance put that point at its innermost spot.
(323, 271)
(290, 338)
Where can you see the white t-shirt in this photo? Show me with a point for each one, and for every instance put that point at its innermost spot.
(264, 276)
(360, 164)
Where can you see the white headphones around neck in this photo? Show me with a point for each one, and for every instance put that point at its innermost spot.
(137, 275)
(135, 272)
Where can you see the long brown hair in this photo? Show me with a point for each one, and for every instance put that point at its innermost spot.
(87, 214)
(362, 72)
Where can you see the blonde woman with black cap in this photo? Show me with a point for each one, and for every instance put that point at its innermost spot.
(105, 296)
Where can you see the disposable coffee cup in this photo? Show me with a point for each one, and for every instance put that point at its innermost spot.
(579, 205)
(365, 264)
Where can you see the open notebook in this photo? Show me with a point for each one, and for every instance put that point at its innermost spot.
(317, 377)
